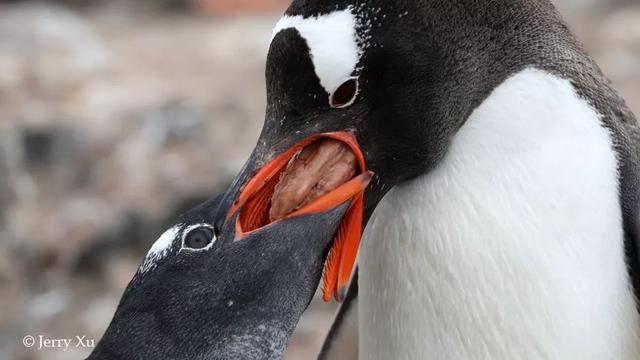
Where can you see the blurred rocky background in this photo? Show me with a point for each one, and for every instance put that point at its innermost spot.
(115, 116)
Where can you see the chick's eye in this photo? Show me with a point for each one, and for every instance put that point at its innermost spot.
(199, 238)
(345, 94)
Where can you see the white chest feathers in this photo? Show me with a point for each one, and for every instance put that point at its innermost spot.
(512, 248)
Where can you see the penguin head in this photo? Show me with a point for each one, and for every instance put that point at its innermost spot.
(372, 71)
(202, 293)
(358, 68)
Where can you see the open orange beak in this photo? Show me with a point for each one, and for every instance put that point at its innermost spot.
(255, 198)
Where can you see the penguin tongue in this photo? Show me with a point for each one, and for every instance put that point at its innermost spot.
(315, 176)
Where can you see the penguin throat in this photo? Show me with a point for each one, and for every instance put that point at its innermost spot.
(312, 172)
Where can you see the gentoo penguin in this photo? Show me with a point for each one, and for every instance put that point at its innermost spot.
(206, 293)
(506, 177)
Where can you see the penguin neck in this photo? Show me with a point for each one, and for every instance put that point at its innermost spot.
(485, 42)
(145, 336)
(253, 342)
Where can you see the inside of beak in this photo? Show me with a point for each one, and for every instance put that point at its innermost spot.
(315, 176)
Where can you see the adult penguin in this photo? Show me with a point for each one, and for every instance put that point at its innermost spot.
(506, 177)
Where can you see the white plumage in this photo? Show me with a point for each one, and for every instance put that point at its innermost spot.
(512, 248)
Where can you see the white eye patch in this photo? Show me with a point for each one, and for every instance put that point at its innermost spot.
(160, 248)
(333, 43)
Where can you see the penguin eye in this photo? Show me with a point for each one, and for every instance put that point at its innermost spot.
(199, 238)
(345, 94)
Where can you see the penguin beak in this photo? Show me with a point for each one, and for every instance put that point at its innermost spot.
(263, 193)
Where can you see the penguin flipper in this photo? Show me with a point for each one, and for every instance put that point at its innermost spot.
(342, 341)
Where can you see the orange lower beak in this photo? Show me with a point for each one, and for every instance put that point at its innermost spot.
(254, 204)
